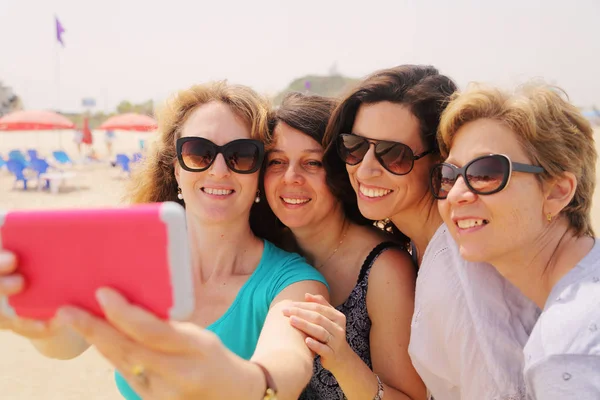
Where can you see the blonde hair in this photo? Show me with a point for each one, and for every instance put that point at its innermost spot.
(154, 180)
(552, 132)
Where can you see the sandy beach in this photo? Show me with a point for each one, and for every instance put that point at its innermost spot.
(24, 374)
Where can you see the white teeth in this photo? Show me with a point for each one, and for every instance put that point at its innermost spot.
(217, 192)
(289, 200)
(369, 192)
(469, 223)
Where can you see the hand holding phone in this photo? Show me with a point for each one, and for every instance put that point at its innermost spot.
(12, 283)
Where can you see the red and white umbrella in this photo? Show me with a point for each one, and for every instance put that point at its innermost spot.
(34, 120)
(130, 122)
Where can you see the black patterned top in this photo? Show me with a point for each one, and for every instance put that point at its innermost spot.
(323, 384)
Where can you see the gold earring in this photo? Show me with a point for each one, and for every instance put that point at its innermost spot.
(549, 217)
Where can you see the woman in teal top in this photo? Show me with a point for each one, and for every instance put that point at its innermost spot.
(239, 328)
(237, 344)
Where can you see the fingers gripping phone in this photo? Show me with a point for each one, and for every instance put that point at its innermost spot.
(66, 255)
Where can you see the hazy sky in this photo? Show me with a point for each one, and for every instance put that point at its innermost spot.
(136, 50)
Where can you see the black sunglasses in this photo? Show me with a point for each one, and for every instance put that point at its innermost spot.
(395, 157)
(482, 175)
(242, 156)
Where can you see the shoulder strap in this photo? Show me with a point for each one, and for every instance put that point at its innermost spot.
(380, 248)
(413, 253)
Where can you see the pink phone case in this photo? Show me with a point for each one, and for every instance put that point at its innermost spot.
(65, 255)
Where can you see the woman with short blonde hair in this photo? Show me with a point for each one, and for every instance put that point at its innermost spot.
(516, 191)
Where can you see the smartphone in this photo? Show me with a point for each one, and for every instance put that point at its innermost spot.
(66, 255)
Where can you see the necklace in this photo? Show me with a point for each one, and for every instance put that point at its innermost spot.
(337, 248)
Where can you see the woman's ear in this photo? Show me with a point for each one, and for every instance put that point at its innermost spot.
(177, 170)
(559, 193)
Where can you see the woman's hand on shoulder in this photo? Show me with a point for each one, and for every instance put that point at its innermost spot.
(325, 328)
(50, 338)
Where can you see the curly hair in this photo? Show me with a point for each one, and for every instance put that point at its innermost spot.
(154, 180)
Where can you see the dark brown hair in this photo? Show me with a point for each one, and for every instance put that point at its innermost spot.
(422, 88)
(309, 114)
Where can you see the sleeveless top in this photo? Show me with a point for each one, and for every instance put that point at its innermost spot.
(323, 384)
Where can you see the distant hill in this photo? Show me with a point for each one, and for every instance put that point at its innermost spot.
(331, 86)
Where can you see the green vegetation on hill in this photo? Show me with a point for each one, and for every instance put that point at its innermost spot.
(331, 86)
(146, 108)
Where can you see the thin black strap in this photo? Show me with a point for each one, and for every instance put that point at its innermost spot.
(413, 254)
(373, 255)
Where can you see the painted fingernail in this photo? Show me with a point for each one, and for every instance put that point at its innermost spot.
(11, 282)
(6, 259)
(102, 297)
(39, 326)
(294, 319)
(64, 317)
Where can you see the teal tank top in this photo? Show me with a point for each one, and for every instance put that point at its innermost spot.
(240, 326)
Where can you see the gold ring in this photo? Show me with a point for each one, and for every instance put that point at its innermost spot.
(139, 372)
(329, 337)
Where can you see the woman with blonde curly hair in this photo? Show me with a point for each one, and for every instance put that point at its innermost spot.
(237, 344)
(516, 191)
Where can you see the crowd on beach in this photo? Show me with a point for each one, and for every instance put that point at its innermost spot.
(407, 240)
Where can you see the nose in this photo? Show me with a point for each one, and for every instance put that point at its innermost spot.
(369, 167)
(292, 176)
(219, 168)
(460, 193)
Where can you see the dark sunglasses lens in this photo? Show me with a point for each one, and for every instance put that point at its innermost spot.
(352, 148)
(197, 154)
(395, 157)
(443, 178)
(487, 174)
(242, 156)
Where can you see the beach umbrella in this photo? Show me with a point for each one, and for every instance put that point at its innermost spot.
(130, 122)
(34, 120)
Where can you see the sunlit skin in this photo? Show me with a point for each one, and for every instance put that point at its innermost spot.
(216, 122)
(295, 181)
(505, 222)
(382, 194)
(296, 188)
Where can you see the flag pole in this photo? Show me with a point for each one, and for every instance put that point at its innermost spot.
(59, 31)
(57, 80)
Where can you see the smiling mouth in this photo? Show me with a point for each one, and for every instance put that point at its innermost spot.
(217, 192)
(294, 201)
(471, 223)
(374, 192)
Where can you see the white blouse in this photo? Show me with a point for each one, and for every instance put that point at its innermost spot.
(469, 327)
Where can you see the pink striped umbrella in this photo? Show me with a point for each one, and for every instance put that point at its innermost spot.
(129, 122)
(34, 120)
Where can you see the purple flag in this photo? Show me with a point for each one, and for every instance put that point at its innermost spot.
(59, 31)
(307, 85)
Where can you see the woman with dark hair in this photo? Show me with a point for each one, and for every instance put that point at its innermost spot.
(466, 340)
(371, 277)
